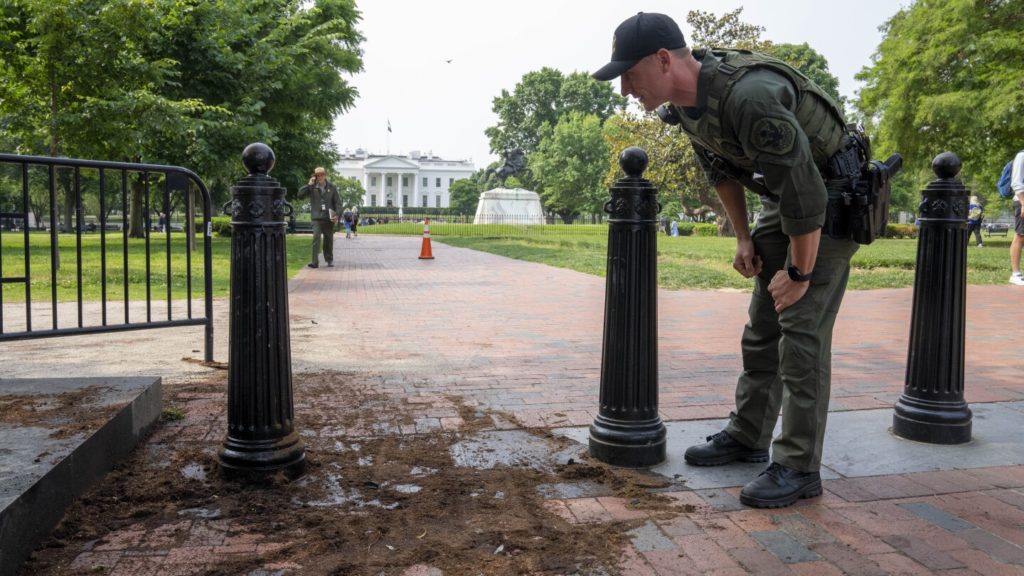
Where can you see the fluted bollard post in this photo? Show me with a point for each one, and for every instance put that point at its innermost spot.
(932, 408)
(261, 434)
(627, 430)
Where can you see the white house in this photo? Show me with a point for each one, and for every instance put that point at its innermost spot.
(418, 180)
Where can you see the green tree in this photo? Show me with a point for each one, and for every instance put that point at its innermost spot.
(571, 163)
(725, 31)
(813, 65)
(75, 83)
(682, 186)
(350, 190)
(540, 99)
(186, 82)
(463, 196)
(947, 76)
(279, 68)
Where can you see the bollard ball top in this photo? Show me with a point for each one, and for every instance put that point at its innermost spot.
(946, 165)
(633, 161)
(258, 158)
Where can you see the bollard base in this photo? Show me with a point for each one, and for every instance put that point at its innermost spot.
(246, 459)
(932, 422)
(628, 444)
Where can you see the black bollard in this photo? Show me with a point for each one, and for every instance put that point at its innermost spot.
(627, 430)
(261, 435)
(932, 408)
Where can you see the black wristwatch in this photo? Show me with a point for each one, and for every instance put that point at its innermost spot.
(797, 276)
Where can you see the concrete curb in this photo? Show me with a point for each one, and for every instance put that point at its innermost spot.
(34, 501)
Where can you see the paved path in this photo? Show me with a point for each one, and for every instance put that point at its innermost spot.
(525, 340)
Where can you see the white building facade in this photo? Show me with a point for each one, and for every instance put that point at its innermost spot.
(415, 181)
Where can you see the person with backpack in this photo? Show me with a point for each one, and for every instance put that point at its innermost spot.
(975, 214)
(755, 122)
(1016, 184)
(346, 219)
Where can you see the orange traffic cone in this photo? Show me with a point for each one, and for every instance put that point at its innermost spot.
(425, 253)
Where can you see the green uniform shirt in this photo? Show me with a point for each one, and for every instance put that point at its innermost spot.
(761, 135)
(321, 201)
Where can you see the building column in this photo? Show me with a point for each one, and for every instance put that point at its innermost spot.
(416, 183)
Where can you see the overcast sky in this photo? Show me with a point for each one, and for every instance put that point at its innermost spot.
(444, 107)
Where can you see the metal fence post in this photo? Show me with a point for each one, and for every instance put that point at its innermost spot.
(932, 408)
(627, 430)
(261, 435)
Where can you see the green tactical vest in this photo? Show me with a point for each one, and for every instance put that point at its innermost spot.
(817, 114)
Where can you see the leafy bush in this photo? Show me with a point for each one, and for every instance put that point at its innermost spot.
(900, 231)
(221, 225)
(705, 229)
(685, 228)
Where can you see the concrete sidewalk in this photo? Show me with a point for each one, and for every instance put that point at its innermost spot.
(524, 340)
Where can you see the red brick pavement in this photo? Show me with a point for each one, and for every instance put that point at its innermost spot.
(526, 338)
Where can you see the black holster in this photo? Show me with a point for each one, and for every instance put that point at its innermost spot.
(858, 191)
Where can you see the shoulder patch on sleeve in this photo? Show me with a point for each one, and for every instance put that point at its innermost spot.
(773, 135)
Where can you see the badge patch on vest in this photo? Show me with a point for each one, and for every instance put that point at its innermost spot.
(773, 135)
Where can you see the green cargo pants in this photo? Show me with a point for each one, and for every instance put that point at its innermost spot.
(325, 229)
(787, 357)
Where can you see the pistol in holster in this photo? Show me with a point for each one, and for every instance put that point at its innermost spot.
(858, 190)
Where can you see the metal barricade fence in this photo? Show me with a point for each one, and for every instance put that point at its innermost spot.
(33, 235)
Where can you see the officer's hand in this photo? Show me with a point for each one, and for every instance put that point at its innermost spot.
(746, 261)
(785, 291)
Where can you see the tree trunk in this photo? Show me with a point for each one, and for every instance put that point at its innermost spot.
(54, 148)
(69, 201)
(137, 227)
(725, 227)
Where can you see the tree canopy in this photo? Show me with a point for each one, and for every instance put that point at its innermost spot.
(570, 161)
(186, 82)
(540, 99)
(463, 196)
(949, 75)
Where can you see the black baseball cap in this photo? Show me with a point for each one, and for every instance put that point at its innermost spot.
(637, 38)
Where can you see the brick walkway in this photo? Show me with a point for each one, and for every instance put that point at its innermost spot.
(525, 340)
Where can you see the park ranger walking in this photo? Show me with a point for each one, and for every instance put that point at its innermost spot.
(756, 122)
(324, 204)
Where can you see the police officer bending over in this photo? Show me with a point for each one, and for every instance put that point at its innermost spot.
(756, 122)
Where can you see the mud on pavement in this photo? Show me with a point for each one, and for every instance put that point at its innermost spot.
(393, 485)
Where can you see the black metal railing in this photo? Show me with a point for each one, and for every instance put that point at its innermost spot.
(94, 194)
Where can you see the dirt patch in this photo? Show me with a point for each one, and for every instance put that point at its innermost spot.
(375, 499)
(67, 413)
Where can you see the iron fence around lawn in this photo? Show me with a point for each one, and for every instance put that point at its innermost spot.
(52, 210)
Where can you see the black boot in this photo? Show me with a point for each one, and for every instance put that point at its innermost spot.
(722, 449)
(780, 486)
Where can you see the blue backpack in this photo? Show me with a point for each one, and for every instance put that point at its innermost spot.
(1003, 184)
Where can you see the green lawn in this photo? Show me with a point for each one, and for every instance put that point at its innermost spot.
(694, 262)
(689, 262)
(12, 264)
